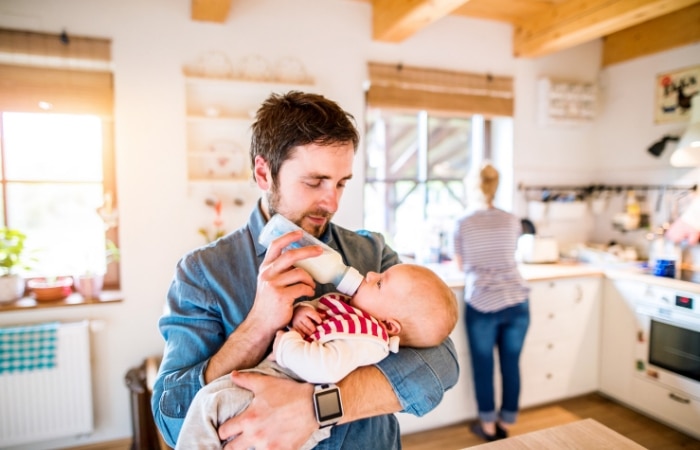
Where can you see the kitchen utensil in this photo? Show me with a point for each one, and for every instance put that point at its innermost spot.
(527, 226)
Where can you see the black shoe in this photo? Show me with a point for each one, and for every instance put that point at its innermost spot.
(501, 433)
(476, 429)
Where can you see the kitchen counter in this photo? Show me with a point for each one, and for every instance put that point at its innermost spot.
(543, 272)
(582, 434)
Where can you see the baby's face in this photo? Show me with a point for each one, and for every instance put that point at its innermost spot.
(381, 293)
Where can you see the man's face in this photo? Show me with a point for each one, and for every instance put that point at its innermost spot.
(310, 184)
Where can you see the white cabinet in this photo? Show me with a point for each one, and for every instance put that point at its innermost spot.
(459, 403)
(618, 358)
(219, 115)
(670, 406)
(560, 357)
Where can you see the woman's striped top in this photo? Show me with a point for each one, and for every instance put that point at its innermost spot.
(486, 241)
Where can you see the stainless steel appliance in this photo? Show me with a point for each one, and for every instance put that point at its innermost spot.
(668, 342)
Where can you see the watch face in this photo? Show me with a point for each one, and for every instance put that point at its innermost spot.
(328, 405)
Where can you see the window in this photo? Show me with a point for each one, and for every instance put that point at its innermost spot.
(57, 176)
(415, 170)
(53, 186)
(425, 130)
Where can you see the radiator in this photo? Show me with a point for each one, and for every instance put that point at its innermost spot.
(47, 403)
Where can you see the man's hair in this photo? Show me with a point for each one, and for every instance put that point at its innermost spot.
(285, 121)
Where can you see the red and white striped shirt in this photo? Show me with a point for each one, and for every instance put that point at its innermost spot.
(341, 318)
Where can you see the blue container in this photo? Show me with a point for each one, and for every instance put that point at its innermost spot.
(665, 268)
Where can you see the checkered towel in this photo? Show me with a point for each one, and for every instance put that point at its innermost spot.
(29, 347)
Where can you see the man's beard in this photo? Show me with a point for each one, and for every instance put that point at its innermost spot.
(273, 203)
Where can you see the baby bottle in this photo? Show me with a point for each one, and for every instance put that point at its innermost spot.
(328, 267)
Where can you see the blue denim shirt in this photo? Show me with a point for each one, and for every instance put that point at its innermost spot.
(214, 289)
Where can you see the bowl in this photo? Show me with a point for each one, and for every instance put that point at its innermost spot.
(50, 289)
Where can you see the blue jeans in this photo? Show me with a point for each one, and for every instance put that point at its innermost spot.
(506, 331)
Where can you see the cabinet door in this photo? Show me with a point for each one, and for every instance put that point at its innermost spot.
(672, 407)
(560, 357)
(618, 362)
(459, 403)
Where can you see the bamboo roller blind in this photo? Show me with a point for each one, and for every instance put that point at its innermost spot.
(439, 91)
(71, 76)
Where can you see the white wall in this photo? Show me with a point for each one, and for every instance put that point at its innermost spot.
(160, 213)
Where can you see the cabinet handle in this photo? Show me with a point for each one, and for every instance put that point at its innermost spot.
(579, 293)
(549, 376)
(551, 316)
(678, 398)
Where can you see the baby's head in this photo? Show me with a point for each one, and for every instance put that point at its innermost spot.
(412, 302)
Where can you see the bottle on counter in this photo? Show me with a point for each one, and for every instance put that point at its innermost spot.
(325, 268)
(665, 257)
(633, 210)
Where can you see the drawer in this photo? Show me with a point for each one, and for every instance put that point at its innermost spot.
(671, 406)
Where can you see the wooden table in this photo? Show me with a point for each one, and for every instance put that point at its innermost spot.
(583, 434)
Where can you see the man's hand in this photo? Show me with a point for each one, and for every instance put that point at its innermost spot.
(280, 416)
(280, 283)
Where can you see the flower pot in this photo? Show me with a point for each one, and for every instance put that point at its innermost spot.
(89, 286)
(46, 290)
(11, 288)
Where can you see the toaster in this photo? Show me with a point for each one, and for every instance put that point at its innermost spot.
(534, 249)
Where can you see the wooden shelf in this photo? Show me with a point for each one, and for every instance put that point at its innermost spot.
(75, 299)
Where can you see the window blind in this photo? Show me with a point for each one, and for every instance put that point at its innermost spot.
(71, 74)
(439, 91)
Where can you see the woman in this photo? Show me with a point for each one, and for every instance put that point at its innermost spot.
(497, 313)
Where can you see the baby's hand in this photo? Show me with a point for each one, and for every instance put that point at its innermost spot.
(305, 319)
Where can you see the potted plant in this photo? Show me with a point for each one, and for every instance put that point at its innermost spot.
(13, 258)
(89, 283)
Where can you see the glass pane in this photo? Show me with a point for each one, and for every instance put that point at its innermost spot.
(69, 147)
(449, 147)
(392, 145)
(61, 224)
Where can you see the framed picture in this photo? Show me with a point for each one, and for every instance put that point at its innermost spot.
(673, 93)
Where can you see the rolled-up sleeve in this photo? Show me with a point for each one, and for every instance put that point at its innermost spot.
(192, 328)
(420, 377)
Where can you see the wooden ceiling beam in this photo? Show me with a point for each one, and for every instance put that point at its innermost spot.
(395, 20)
(577, 21)
(663, 33)
(211, 10)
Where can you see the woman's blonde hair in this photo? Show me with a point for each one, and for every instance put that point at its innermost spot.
(488, 177)
(481, 186)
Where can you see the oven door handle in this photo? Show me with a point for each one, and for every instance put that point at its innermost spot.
(668, 316)
(678, 398)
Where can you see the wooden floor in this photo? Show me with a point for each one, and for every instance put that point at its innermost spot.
(639, 428)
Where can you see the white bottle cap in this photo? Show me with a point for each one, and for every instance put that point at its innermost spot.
(350, 282)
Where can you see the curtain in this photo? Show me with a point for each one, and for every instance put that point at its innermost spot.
(55, 72)
(439, 91)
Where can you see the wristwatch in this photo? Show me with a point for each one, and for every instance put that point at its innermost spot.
(327, 404)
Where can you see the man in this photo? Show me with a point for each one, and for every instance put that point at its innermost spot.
(227, 300)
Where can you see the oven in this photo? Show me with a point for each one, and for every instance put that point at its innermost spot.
(668, 341)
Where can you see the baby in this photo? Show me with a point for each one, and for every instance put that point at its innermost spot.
(330, 337)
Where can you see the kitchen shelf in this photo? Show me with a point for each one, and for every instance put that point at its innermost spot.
(219, 114)
(566, 102)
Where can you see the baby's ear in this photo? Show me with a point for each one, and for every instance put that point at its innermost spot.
(393, 327)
